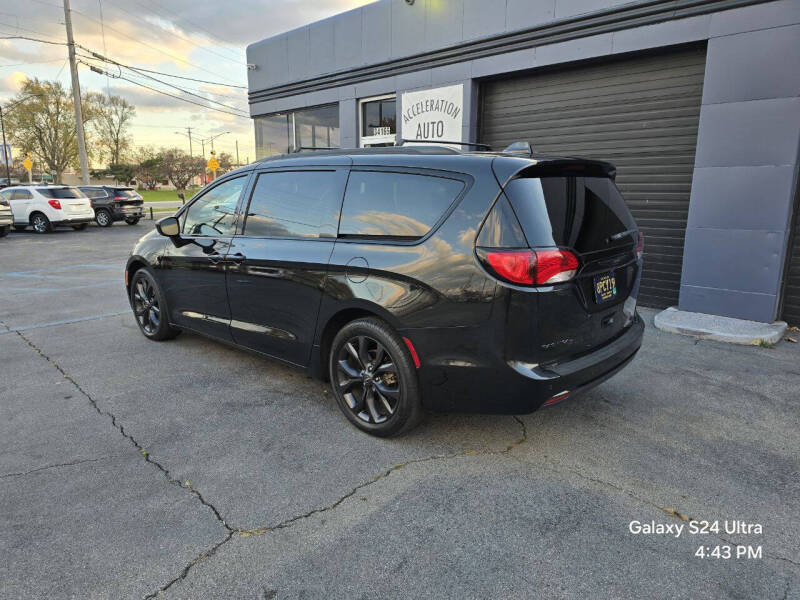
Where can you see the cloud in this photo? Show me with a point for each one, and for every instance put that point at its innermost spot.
(13, 83)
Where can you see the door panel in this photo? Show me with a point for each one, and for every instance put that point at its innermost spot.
(275, 294)
(194, 266)
(277, 266)
(194, 283)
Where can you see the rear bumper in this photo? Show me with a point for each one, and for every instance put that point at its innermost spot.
(127, 212)
(519, 388)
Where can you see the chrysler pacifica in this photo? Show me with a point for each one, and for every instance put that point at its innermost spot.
(410, 278)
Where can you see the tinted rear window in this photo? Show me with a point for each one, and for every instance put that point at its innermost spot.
(395, 205)
(61, 193)
(583, 213)
(126, 193)
(95, 193)
(295, 204)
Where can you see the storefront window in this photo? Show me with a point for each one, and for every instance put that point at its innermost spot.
(378, 121)
(316, 127)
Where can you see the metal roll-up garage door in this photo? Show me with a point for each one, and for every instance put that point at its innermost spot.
(640, 113)
(791, 287)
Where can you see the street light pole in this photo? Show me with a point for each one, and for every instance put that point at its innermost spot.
(237, 153)
(76, 95)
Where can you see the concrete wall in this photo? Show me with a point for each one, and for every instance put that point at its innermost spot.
(749, 137)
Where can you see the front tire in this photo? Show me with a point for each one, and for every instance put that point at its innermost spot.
(373, 378)
(150, 308)
(132, 220)
(103, 218)
(40, 223)
(80, 226)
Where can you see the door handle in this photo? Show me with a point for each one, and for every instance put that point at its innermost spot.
(237, 258)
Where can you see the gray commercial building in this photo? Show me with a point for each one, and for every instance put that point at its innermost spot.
(697, 102)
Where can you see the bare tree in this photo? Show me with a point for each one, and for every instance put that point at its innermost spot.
(149, 167)
(43, 123)
(111, 124)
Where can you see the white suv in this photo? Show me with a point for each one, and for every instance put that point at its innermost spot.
(48, 206)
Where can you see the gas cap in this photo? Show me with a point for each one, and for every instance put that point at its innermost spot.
(357, 269)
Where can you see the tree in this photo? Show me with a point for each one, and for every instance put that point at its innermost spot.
(122, 173)
(180, 168)
(111, 124)
(43, 123)
(225, 163)
(149, 168)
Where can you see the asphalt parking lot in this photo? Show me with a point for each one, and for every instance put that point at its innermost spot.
(130, 468)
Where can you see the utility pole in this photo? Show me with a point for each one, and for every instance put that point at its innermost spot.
(237, 154)
(76, 95)
(189, 129)
(6, 156)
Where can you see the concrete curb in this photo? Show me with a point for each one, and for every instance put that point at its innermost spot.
(720, 329)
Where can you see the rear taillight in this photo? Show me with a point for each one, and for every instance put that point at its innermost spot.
(640, 245)
(532, 267)
(55, 204)
(120, 198)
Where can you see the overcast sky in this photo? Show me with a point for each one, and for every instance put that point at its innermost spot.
(203, 40)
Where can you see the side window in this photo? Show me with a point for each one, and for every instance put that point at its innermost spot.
(295, 204)
(395, 205)
(21, 195)
(214, 213)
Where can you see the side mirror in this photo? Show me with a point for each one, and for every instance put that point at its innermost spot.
(169, 227)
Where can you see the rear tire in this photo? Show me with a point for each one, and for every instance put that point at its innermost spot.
(4, 231)
(40, 223)
(103, 218)
(80, 226)
(373, 378)
(150, 307)
(132, 220)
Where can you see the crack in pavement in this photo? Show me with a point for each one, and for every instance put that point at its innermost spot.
(245, 533)
(54, 466)
(145, 454)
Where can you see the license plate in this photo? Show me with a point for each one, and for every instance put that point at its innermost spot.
(605, 288)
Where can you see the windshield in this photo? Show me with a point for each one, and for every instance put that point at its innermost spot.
(62, 193)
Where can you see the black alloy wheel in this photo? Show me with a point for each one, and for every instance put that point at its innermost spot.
(373, 378)
(41, 224)
(149, 307)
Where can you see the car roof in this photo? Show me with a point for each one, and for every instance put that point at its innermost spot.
(505, 163)
(38, 187)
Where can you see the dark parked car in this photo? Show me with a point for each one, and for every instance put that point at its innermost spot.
(410, 277)
(114, 204)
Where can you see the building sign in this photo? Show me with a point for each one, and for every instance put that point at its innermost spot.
(435, 114)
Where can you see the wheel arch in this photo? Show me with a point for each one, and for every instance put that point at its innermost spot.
(134, 264)
(333, 323)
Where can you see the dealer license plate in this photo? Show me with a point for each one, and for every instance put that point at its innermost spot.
(605, 288)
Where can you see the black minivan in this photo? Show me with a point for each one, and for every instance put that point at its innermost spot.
(410, 277)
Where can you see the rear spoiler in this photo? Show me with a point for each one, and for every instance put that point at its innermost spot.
(553, 167)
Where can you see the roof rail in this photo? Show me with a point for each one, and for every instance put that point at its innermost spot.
(470, 144)
(421, 149)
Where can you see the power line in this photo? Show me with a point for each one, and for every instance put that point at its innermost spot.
(152, 89)
(185, 91)
(35, 62)
(30, 39)
(97, 56)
